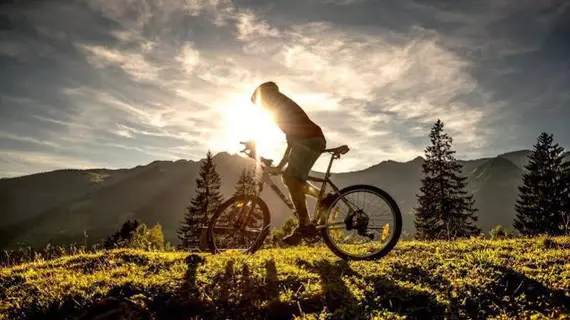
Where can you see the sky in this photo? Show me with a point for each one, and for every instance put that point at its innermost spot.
(116, 84)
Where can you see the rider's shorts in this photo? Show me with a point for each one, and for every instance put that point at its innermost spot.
(304, 154)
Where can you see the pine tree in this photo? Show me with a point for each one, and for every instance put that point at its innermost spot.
(445, 210)
(123, 236)
(565, 203)
(246, 185)
(206, 200)
(542, 205)
(246, 182)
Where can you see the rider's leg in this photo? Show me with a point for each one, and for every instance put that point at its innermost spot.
(302, 157)
(297, 190)
(311, 190)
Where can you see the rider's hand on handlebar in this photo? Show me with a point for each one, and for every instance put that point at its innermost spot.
(273, 170)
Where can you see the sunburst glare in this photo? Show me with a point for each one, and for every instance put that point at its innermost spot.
(246, 121)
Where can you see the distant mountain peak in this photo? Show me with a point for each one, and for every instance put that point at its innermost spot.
(418, 159)
(223, 154)
(501, 161)
(519, 157)
(522, 152)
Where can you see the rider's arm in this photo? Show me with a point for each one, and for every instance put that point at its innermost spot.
(285, 158)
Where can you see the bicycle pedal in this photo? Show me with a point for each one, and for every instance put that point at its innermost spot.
(313, 239)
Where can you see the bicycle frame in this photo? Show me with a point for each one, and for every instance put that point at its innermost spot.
(356, 218)
(318, 218)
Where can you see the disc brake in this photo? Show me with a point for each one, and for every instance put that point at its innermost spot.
(358, 220)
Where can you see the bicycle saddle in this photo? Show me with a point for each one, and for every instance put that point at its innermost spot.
(338, 150)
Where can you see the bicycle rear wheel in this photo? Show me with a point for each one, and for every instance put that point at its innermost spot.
(366, 229)
(240, 223)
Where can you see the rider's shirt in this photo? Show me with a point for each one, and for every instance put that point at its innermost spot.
(290, 118)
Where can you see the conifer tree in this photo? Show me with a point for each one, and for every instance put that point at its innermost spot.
(542, 204)
(445, 210)
(123, 236)
(565, 202)
(246, 182)
(206, 200)
(246, 185)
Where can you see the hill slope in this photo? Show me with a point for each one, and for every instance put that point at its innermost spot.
(458, 280)
(495, 188)
(59, 206)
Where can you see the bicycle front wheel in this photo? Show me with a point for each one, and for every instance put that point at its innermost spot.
(363, 223)
(241, 223)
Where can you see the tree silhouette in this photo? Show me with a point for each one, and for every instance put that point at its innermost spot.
(543, 204)
(206, 200)
(122, 236)
(565, 194)
(246, 182)
(445, 210)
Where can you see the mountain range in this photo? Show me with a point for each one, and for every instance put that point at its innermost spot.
(64, 206)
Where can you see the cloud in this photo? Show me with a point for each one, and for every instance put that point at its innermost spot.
(16, 163)
(373, 84)
(188, 57)
(102, 79)
(132, 63)
(149, 151)
(11, 49)
(10, 136)
(249, 27)
(59, 122)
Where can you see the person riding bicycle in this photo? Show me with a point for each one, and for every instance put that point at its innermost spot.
(305, 143)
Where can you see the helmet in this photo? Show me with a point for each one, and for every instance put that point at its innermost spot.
(264, 88)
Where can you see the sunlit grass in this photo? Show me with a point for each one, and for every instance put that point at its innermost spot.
(462, 279)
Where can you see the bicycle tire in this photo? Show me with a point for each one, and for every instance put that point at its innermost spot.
(221, 209)
(390, 244)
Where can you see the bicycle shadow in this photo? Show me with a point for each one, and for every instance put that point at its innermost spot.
(185, 302)
(338, 298)
(271, 280)
(234, 293)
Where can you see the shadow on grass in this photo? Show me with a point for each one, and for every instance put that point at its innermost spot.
(338, 278)
(186, 302)
(159, 303)
(236, 293)
(510, 293)
(271, 280)
(231, 294)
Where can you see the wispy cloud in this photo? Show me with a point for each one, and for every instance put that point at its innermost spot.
(155, 80)
(132, 63)
(23, 162)
(9, 136)
(250, 27)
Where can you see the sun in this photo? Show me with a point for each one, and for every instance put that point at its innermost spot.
(246, 121)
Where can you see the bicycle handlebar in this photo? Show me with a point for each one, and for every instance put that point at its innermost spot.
(267, 162)
(251, 151)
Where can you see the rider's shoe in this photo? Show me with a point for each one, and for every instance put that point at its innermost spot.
(326, 201)
(300, 232)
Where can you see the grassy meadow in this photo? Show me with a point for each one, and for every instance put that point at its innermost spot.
(466, 279)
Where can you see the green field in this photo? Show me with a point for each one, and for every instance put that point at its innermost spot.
(521, 278)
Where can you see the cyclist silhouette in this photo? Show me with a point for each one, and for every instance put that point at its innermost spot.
(305, 143)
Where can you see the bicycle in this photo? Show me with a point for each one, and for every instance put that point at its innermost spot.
(343, 224)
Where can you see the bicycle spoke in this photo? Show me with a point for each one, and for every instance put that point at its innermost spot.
(238, 229)
(380, 222)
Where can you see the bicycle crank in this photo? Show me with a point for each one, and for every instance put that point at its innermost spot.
(312, 240)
